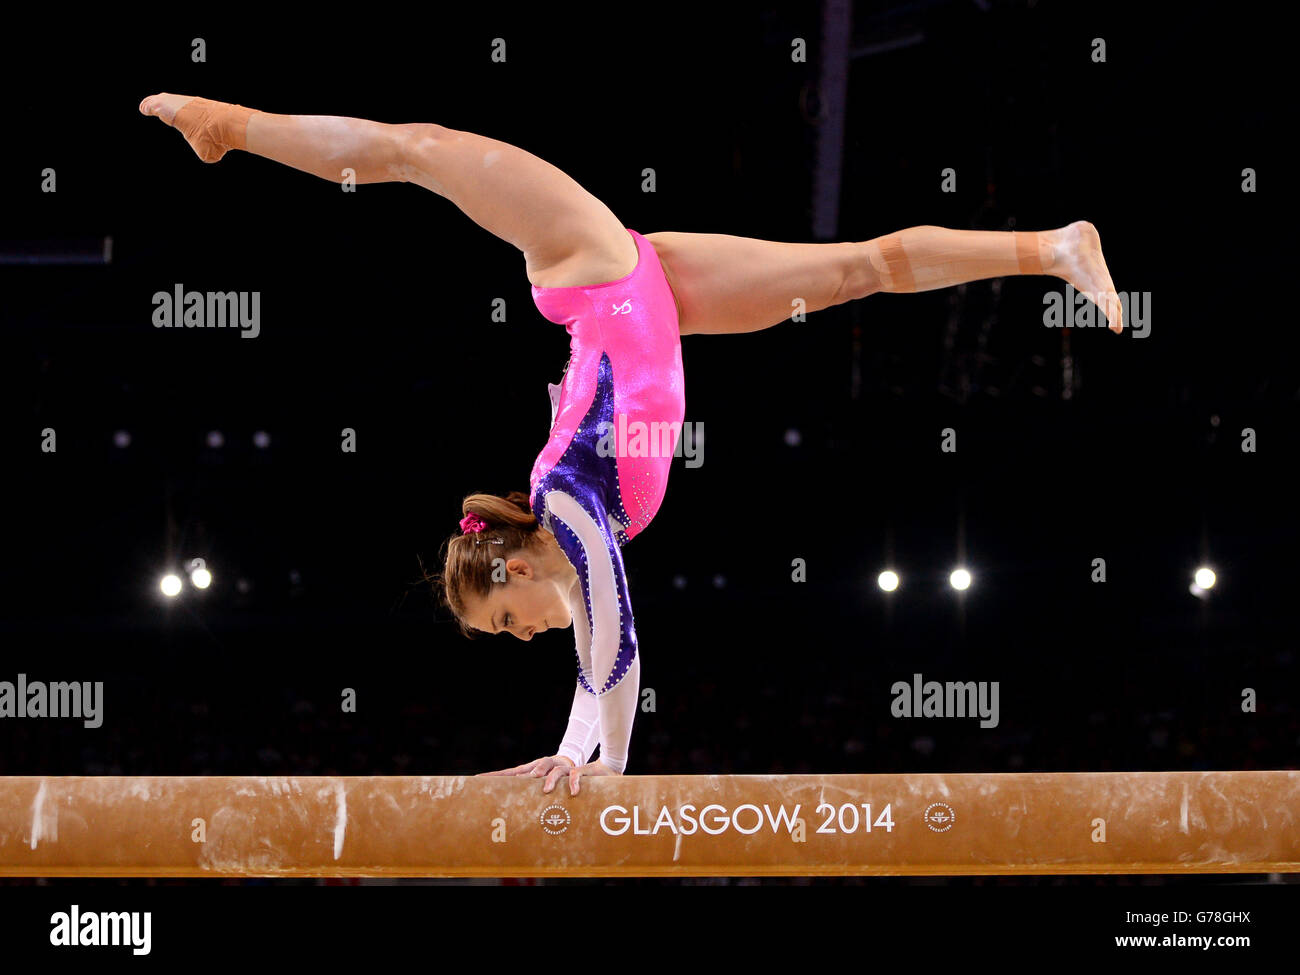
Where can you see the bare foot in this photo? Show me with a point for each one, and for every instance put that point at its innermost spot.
(199, 125)
(1079, 261)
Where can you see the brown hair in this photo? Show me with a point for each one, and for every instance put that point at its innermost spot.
(467, 557)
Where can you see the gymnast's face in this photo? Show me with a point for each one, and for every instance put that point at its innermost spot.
(531, 600)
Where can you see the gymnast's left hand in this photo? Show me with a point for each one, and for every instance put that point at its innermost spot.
(574, 775)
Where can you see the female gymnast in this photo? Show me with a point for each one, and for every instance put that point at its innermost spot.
(523, 564)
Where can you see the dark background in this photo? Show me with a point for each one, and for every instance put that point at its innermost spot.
(375, 315)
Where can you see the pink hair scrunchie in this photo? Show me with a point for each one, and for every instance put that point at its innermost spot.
(472, 523)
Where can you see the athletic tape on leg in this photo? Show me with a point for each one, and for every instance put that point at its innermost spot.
(211, 128)
(1027, 253)
(897, 264)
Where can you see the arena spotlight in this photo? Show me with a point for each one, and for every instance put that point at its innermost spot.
(170, 585)
(201, 578)
(887, 580)
(960, 579)
(1203, 580)
(216, 439)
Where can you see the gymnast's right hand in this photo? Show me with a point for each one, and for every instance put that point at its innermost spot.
(537, 767)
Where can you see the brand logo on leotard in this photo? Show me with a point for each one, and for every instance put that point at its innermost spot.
(623, 309)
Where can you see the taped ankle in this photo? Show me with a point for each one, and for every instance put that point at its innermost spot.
(212, 128)
(1027, 253)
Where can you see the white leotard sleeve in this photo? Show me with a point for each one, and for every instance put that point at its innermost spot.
(609, 666)
(583, 733)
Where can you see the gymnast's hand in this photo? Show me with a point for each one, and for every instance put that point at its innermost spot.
(538, 767)
(575, 775)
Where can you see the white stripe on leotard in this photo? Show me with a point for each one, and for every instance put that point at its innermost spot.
(616, 708)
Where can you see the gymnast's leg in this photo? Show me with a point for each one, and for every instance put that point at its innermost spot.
(567, 236)
(740, 284)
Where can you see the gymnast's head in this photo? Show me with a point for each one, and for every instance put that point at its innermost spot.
(502, 572)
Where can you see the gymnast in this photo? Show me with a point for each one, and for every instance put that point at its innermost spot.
(526, 563)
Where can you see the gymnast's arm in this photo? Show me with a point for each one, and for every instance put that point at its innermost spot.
(611, 667)
(617, 712)
(583, 733)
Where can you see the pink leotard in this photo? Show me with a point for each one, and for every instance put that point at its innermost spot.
(601, 477)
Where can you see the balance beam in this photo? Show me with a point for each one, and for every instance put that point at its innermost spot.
(648, 826)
